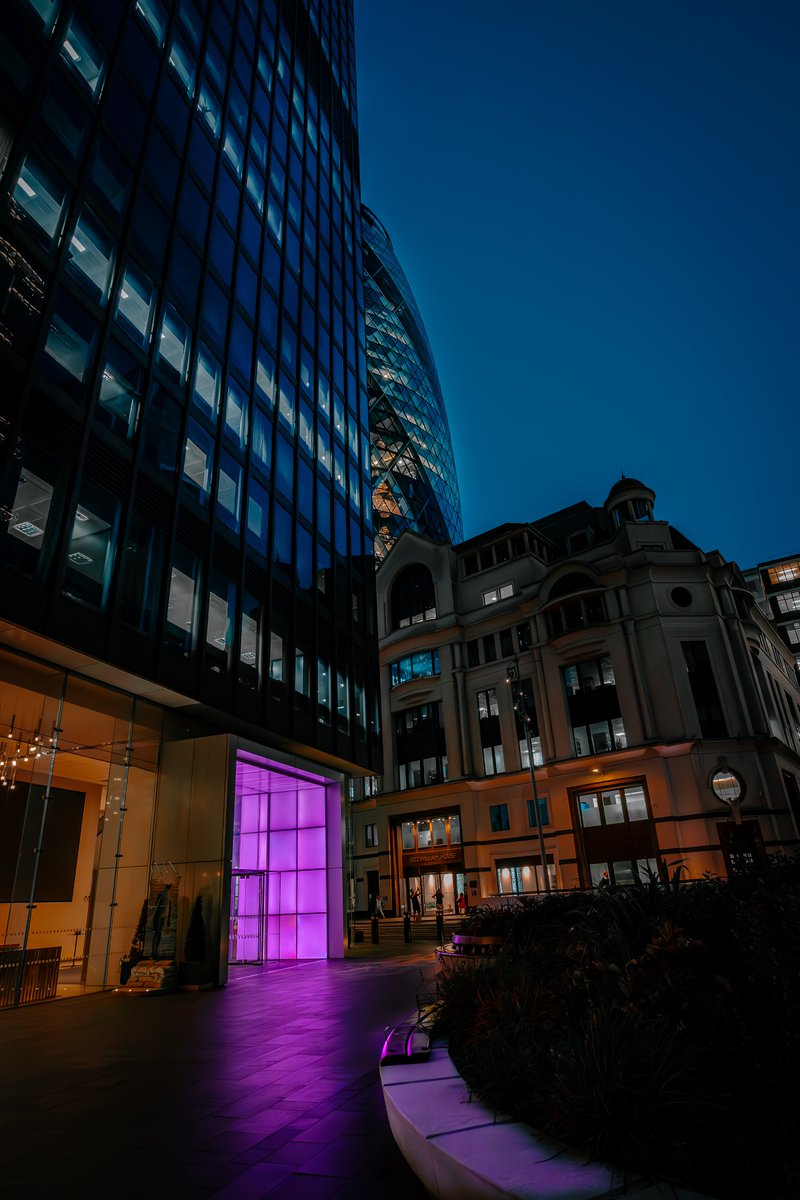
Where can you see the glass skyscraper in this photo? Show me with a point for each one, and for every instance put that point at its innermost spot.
(413, 471)
(185, 480)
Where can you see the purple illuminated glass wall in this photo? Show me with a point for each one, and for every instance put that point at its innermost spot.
(287, 832)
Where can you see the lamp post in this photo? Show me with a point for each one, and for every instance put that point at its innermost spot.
(520, 706)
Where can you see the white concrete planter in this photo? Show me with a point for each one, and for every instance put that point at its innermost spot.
(461, 1152)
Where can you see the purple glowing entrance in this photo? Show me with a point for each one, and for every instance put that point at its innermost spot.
(286, 894)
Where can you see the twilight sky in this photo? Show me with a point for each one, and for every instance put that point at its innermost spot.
(596, 203)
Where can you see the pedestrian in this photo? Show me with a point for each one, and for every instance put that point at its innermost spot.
(415, 905)
(438, 896)
(379, 907)
(461, 903)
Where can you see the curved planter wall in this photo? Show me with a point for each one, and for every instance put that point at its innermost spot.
(457, 1148)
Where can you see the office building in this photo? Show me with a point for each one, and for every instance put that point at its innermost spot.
(413, 470)
(776, 585)
(188, 610)
(659, 704)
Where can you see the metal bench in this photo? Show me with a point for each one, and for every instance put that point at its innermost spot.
(406, 1044)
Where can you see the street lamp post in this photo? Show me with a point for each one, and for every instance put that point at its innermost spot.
(520, 706)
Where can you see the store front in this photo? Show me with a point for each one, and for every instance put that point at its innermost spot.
(118, 815)
(432, 858)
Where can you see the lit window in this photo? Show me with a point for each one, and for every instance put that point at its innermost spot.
(173, 346)
(493, 595)
(39, 198)
(208, 107)
(249, 645)
(265, 375)
(91, 548)
(370, 835)
(792, 631)
(135, 305)
(415, 666)
(207, 378)
(91, 256)
(81, 52)
(31, 509)
(236, 414)
(785, 573)
(324, 457)
(154, 16)
(219, 622)
(182, 62)
(229, 492)
(788, 602)
(276, 666)
(46, 11)
(198, 461)
(182, 615)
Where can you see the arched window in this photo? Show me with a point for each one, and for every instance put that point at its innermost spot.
(413, 597)
(576, 581)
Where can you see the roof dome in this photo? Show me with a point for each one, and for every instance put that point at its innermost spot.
(627, 484)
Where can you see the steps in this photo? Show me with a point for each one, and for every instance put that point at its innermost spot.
(390, 929)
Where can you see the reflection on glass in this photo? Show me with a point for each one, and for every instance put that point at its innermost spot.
(31, 509)
(39, 198)
(135, 305)
(81, 52)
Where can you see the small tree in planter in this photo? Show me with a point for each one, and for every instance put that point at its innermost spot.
(194, 971)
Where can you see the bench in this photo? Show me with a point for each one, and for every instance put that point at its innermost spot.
(406, 1044)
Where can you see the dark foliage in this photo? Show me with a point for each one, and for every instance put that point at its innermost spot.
(657, 1027)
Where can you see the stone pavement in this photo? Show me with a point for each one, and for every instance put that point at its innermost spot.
(268, 1087)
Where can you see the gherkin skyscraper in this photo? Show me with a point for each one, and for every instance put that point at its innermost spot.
(414, 484)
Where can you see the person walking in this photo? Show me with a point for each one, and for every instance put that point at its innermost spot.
(379, 907)
(415, 905)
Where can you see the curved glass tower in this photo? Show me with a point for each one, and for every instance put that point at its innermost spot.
(413, 471)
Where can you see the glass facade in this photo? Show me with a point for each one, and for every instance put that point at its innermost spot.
(413, 470)
(182, 345)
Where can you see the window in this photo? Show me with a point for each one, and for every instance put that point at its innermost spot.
(153, 14)
(413, 599)
(499, 593)
(787, 602)
(498, 817)
(119, 395)
(140, 575)
(219, 624)
(370, 835)
(276, 657)
(207, 379)
(518, 875)
(429, 833)
(39, 199)
(526, 719)
(198, 461)
(181, 626)
(91, 256)
(784, 573)
(47, 11)
(31, 510)
(489, 728)
(577, 613)
(135, 305)
(704, 689)
(173, 344)
(544, 813)
(236, 414)
(81, 52)
(612, 806)
(506, 643)
(489, 649)
(92, 545)
(250, 643)
(69, 344)
(792, 631)
(415, 666)
(524, 639)
(594, 707)
(229, 492)
(420, 748)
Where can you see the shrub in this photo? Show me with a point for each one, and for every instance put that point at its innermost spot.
(644, 1025)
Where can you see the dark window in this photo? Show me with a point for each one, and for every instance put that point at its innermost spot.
(473, 654)
(704, 689)
(489, 728)
(140, 575)
(544, 814)
(489, 648)
(420, 746)
(506, 643)
(594, 707)
(413, 598)
(524, 637)
(498, 817)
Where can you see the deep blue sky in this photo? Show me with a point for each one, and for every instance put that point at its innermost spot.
(597, 205)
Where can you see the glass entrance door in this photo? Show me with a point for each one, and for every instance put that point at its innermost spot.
(247, 917)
